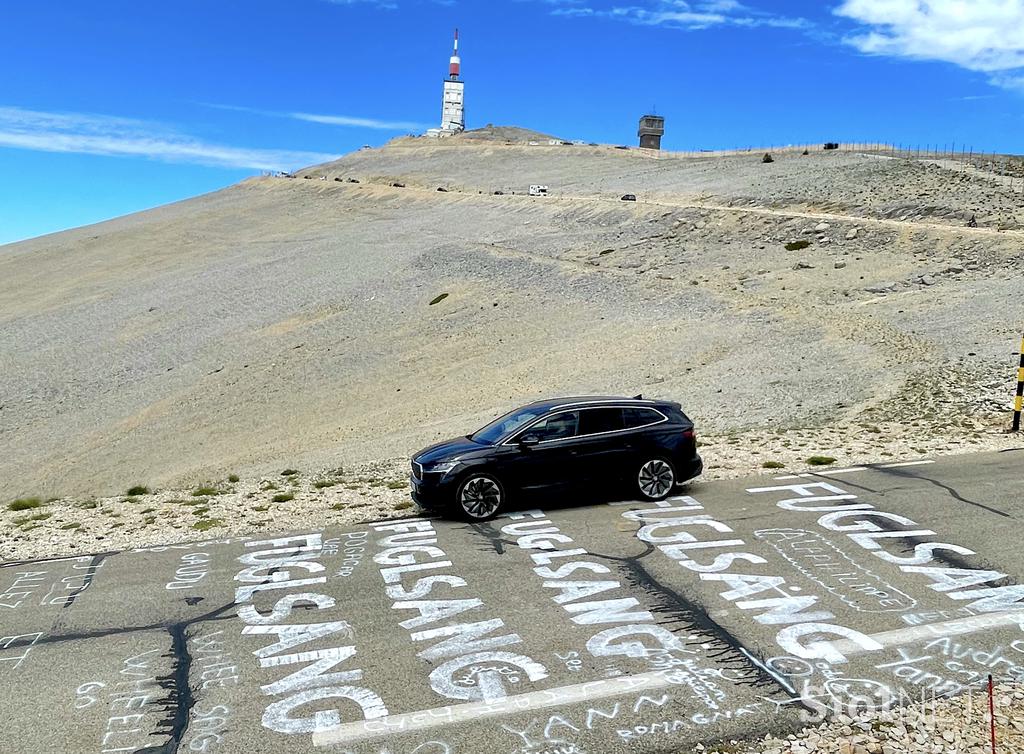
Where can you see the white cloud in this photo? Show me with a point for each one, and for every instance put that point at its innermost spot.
(979, 35)
(124, 137)
(330, 120)
(680, 14)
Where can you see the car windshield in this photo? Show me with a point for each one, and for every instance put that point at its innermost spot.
(505, 425)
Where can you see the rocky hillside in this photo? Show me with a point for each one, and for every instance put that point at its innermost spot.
(338, 317)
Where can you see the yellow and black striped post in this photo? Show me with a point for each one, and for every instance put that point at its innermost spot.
(1020, 391)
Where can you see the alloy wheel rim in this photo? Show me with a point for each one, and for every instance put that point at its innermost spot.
(480, 497)
(656, 478)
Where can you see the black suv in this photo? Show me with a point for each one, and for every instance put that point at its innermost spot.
(646, 446)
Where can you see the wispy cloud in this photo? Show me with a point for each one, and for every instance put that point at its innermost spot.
(330, 120)
(981, 35)
(679, 14)
(124, 137)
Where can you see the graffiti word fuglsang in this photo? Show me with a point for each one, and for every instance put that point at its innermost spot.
(832, 569)
(685, 535)
(589, 593)
(842, 512)
(193, 569)
(474, 662)
(308, 699)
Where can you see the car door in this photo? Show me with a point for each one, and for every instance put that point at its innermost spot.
(603, 450)
(550, 463)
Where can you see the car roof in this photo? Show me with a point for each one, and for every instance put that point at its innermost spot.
(588, 400)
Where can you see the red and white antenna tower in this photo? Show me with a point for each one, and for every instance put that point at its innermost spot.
(455, 64)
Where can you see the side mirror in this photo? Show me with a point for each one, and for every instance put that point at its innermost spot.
(528, 441)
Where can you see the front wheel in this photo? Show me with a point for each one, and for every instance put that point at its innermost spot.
(480, 497)
(656, 479)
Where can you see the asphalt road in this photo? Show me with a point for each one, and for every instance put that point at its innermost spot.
(737, 608)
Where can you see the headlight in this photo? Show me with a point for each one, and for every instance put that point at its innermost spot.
(442, 468)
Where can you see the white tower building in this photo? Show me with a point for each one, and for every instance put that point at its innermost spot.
(453, 114)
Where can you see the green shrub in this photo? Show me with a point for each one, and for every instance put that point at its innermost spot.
(205, 491)
(397, 485)
(797, 245)
(137, 490)
(821, 460)
(773, 465)
(24, 504)
(289, 472)
(232, 478)
(206, 524)
(283, 497)
(324, 483)
(71, 526)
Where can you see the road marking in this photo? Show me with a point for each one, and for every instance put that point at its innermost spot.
(903, 463)
(473, 711)
(956, 627)
(834, 472)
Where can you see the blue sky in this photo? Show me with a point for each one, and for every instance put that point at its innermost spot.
(109, 106)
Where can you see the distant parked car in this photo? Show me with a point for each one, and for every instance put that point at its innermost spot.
(398, 185)
(629, 197)
(642, 447)
(538, 190)
(499, 193)
(831, 145)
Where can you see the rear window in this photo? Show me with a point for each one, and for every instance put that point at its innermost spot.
(640, 417)
(596, 420)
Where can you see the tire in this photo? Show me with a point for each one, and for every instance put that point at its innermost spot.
(480, 497)
(656, 478)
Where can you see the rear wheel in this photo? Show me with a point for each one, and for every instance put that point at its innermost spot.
(656, 479)
(480, 497)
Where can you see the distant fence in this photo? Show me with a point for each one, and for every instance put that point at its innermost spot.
(1005, 169)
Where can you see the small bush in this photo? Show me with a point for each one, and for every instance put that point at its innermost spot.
(261, 508)
(283, 497)
(71, 526)
(438, 299)
(324, 483)
(24, 504)
(797, 245)
(773, 465)
(232, 478)
(205, 491)
(206, 524)
(200, 511)
(289, 472)
(821, 460)
(767, 158)
(397, 485)
(401, 506)
(339, 507)
(88, 505)
(137, 491)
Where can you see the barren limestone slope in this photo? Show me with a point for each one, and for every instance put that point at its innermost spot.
(288, 322)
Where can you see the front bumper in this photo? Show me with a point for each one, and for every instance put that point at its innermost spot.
(432, 490)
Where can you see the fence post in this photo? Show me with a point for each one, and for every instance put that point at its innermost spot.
(1019, 398)
(991, 714)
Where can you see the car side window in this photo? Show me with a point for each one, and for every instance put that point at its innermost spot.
(556, 427)
(640, 417)
(596, 420)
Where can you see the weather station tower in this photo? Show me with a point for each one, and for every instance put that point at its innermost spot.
(453, 113)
